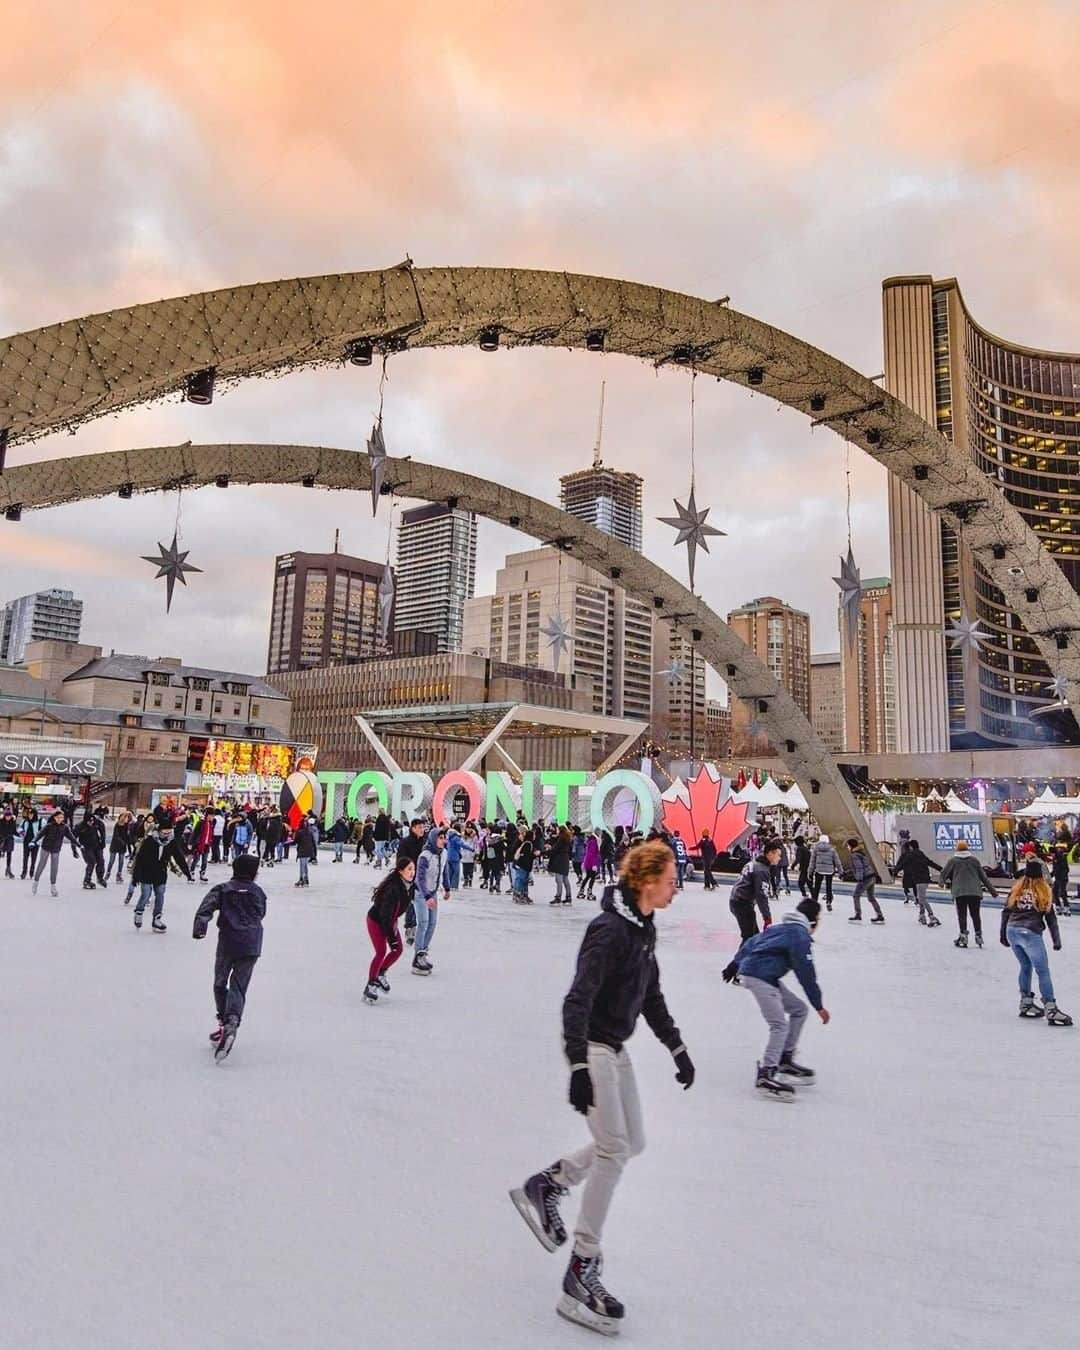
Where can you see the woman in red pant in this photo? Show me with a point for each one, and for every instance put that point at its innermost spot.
(392, 898)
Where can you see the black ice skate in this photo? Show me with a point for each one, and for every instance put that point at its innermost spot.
(961, 941)
(922, 917)
(225, 1042)
(371, 992)
(1055, 1017)
(768, 1085)
(158, 924)
(978, 940)
(585, 1300)
(538, 1204)
(383, 983)
(410, 936)
(798, 1073)
(1028, 1006)
(137, 916)
(419, 965)
(216, 1034)
(933, 921)
(878, 918)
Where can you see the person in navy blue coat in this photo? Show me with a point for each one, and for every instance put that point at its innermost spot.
(761, 964)
(240, 905)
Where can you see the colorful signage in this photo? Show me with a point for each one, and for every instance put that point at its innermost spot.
(948, 833)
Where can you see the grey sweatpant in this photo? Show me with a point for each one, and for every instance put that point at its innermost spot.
(921, 888)
(785, 1013)
(615, 1124)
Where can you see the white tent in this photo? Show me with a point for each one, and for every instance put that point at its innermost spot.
(794, 799)
(957, 806)
(771, 794)
(750, 794)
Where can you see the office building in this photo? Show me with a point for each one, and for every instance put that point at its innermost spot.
(780, 636)
(436, 572)
(448, 702)
(867, 674)
(613, 643)
(717, 730)
(51, 615)
(325, 611)
(679, 712)
(1016, 412)
(607, 498)
(827, 699)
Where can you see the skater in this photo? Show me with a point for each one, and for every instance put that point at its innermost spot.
(761, 963)
(202, 841)
(381, 836)
(824, 865)
(469, 846)
(451, 877)
(339, 837)
(156, 854)
(913, 869)
(411, 847)
(754, 887)
(866, 878)
(120, 845)
(495, 854)
(389, 901)
(682, 858)
(591, 860)
(521, 871)
(426, 899)
(91, 839)
(964, 876)
(272, 835)
(30, 827)
(51, 841)
(1059, 871)
(558, 864)
(707, 854)
(9, 827)
(1028, 912)
(616, 980)
(305, 851)
(241, 907)
(802, 862)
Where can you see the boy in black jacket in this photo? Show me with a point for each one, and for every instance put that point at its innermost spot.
(241, 907)
(617, 979)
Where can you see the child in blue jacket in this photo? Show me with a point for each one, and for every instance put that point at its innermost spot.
(761, 964)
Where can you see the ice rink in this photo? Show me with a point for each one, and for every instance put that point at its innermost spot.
(341, 1181)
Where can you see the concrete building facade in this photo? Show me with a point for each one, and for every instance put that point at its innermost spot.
(780, 635)
(324, 611)
(1016, 412)
(435, 572)
(45, 615)
(827, 699)
(867, 674)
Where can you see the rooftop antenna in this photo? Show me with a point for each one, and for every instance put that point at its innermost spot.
(599, 429)
(337, 535)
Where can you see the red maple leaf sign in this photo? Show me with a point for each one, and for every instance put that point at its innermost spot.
(705, 804)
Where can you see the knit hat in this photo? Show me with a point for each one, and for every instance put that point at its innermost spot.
(245, 867)
(962, 846)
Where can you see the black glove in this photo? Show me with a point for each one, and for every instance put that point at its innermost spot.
(1004, 942)
(730, 973)
(685, 1066)
(581, 1090)
(393, 942)
(199, 931)
(1057, 946)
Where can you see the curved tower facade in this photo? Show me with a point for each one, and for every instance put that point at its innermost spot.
(1016, 411)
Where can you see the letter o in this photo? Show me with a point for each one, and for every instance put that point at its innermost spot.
(370, 780)
(644, 789)
(460, 779)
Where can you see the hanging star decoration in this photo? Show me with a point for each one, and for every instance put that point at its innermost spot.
(693, 531)
(850, 583)
(376, 448)
(966, 635)
(386, 601)
(557, 632)
(172, 566)
(1059, 687)
(675, 673)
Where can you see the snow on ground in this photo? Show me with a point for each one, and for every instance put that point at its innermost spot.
(341, 1181)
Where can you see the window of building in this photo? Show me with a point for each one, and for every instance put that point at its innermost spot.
(136, 698)
(153, 744)
(217, 705)
(131, 742)
(255, 710)
(236, 709)
(157, 700)
(198, 705)
(174, 747)
(178, 701)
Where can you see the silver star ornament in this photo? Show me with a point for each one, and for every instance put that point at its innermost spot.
(692, 529)
(171, 565)
(557, 632)
(386, 601)
(675, 673)
(966, 635)
(376, 448)
(850, 583)
(1059, 687)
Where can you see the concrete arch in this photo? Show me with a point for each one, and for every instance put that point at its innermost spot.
(68, 372)
(58, 481)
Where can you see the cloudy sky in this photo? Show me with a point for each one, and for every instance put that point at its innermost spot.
(789, 155)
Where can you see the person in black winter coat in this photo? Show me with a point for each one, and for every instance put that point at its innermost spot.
(411, 847)
(617, 979)
(754, 888)
(802, 862)
(272, 834)
(91, 837)
(707, 853)
(150, 872)
(8, 828)
(51, 841)
(391, 899)
(913, 869)
(305, 851)
(241, 907)
(1059, 874)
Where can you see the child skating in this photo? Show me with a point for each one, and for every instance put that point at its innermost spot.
(616, 980)
(762, 962)
(241, 907)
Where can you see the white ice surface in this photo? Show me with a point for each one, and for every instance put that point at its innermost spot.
(341, 1181)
